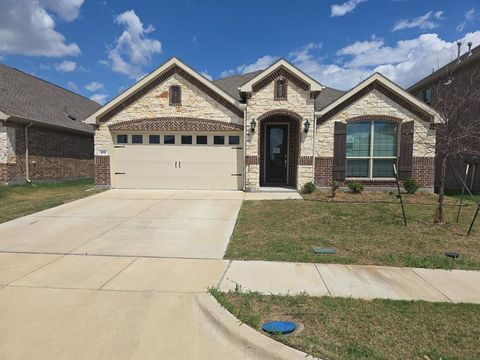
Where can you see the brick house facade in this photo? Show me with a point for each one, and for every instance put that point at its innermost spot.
(56, 142)
(444, 85)
(274, 127)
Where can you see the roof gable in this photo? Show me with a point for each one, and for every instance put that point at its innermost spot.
(155, 78)
(386, 87)
(281, 68)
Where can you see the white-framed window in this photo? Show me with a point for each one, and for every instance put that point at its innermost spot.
(372, 148)
(122, 139)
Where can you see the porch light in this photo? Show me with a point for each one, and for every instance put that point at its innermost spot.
(253, 125)
(306, 125)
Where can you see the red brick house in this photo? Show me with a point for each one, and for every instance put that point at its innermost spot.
(447, 84)
(42, 136)
(175, 129)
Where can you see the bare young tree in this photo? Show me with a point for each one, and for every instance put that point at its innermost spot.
(456, 98)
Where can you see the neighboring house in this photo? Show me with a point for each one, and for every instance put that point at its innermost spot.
(42, 136)
(277, 127)
(452, 76)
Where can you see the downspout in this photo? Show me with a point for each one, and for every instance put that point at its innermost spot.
(245, 130)
(27, 167)
(314, 143)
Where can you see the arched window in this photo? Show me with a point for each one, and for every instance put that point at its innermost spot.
(371, 149)
(281, 89)
(175, 95)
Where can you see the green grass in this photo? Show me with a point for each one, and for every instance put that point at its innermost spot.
(341, 328)
(21, 200)
(366, 229)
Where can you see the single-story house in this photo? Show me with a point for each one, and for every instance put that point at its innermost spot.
(42, 135)
(175, 129)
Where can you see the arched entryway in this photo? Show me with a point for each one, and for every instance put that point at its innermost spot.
(279, 148)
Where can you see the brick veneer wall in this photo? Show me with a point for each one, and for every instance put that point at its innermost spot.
(102, 170)
(423, 170)
(53, 155)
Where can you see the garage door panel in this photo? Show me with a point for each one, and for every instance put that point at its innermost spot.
(178, 167)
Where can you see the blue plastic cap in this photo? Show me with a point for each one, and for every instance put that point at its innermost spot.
(279, 327)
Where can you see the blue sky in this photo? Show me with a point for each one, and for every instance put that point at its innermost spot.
(99, 48)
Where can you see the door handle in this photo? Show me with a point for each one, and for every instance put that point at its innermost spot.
(175, 164)
(179, 164)
(285, 163)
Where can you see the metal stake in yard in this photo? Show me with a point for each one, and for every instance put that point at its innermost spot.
(463, 192)
(400, 194)
(474, 218)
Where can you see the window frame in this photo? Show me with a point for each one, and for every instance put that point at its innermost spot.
(196, 139)
(154, 143)
(169, 143)
(371, 157)
(133, 136)
(184, 137)
(219, 136)
(175, 95)
(284, 96)
(121, 142)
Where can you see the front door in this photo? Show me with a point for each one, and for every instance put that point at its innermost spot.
(276, 161)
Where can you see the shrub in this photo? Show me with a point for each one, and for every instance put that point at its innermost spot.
(355, 186)
(334, 186)
(410, 185)
(308, 188)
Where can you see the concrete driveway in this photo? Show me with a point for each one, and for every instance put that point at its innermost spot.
(158, 223)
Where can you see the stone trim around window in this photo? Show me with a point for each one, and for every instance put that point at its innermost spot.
(175, 124)
(374, 118)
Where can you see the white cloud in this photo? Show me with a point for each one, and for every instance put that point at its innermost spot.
(132, 49)
(425, 22)
(66, 66)
(99, 98)
(28, 27)
(260, 64)
(469, 17)
(94, 86)
(405, 62)
(345, 8)
(72, 86)
(206, 74)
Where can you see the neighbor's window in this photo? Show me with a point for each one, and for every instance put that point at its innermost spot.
(154, 139)
(169, 139)
(202, 139)
(234, 140)
(427, 96)
(281, 89)
(371, 149)
(186, 139)
(137, 139)
(219, 140)
(175, 95)
(122, 139)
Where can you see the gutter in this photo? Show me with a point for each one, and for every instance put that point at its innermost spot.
(27, 166)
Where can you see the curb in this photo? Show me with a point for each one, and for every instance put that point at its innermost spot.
(255, 344)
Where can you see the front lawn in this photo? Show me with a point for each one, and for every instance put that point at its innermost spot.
(339, 328)
(17, 201)
(363, 229)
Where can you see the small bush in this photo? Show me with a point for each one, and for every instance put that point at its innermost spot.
(410, 185)
(355, 186)
(308, 188)
(334, 186)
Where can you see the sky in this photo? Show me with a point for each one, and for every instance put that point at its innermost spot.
(99, 48)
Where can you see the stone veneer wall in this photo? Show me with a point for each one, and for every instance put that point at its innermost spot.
(375, 103)
(53, 154)
(261, 102)
(195, 104)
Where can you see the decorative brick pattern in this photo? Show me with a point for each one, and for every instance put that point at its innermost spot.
(374, 117)
(305, 160)
(102, 170)
(251, 160)
(420, 113)
(175, 124)
(280, 73)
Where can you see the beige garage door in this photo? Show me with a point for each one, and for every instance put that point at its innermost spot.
(178, 161)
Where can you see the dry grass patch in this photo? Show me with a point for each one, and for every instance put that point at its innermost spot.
(369, 233)
(17, 201)
(337, 328)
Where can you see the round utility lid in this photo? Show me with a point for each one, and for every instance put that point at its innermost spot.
(452, 254)
(279, 327)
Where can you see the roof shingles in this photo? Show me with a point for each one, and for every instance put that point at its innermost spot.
(25, 96)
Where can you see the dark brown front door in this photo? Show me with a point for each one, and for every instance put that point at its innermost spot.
(276, 162)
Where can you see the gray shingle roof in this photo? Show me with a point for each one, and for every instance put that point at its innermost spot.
(231, 84)
(26, 96)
